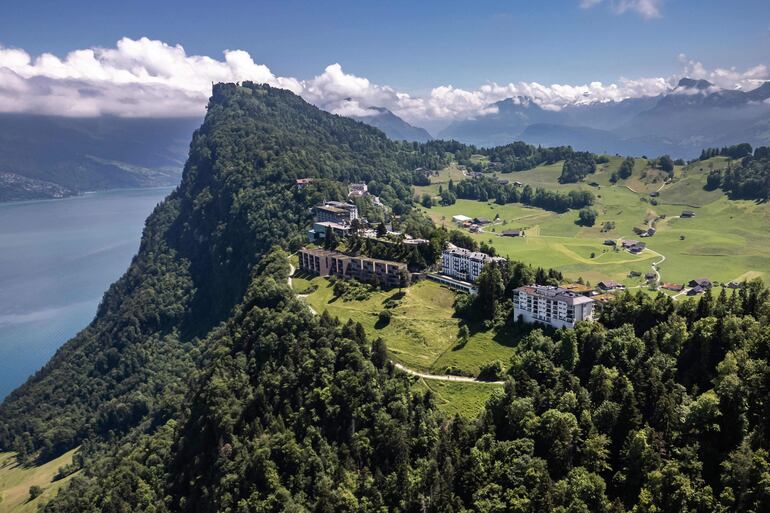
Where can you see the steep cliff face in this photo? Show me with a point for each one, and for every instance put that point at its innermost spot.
(197, 256)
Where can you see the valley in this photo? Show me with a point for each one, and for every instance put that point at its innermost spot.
(725, 240)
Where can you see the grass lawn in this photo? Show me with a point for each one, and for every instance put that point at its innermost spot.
(422, 333)
(464, 399)
(15, 481)
(726, 240)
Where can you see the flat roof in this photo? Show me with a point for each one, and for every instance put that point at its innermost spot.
(556, 293)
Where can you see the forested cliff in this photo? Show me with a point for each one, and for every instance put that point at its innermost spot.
(204, 385)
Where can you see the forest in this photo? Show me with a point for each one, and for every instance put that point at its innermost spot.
(749, 179)
(205, 385)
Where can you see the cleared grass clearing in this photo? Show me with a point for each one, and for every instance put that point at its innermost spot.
(423, 332)
(464, 399)
(15, 481)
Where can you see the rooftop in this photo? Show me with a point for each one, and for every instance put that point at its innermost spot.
(556, 293)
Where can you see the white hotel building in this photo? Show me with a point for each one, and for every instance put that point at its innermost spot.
(554, 306)
(463, 264)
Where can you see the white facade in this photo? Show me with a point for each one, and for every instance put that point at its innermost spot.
(554, 306)
(463, 264)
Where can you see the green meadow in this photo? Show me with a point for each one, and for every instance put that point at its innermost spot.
(423, 331)
(464, 399)
(726, 240)
(15, 481)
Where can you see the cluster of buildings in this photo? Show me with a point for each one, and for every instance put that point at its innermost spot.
(322, 262)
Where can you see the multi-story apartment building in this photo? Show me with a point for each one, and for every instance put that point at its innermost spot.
(333, 263)
(336, 212)
(554, 306)
(464, 264)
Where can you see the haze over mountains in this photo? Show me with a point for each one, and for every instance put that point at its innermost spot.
(54, 156)
(694, 115)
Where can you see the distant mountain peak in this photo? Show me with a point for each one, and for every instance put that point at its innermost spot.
(393, 126)
(691, 83)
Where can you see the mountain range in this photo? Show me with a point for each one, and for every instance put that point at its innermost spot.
(693, 115)
(53, 156)
(393, 126)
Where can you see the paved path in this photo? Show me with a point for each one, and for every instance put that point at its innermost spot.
(461, 379)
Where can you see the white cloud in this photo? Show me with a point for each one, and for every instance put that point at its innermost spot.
(648, 9)
(144, 77)
(725, 78)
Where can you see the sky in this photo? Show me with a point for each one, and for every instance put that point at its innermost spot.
(424, 60)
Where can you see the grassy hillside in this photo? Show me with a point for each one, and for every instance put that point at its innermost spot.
(725, 241)
(423, 332)
(15, 481)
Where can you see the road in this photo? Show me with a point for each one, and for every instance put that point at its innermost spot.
(412, 372)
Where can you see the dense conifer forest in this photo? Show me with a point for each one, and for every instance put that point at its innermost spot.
(205, 385)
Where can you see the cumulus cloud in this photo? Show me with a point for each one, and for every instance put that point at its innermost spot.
(725, 78)
(647, 9)
(149, 78)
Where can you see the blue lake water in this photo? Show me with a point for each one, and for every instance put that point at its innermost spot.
(57, 257)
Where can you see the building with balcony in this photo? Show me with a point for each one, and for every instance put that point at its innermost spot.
(323, 262)
(463, 264)
(553, 306)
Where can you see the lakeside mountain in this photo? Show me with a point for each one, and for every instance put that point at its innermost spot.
(50, 156)
(393, 126)
(694, 115)
(205, 385)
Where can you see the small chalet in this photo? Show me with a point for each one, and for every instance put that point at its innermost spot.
(609, 285)
(610, 242)
(704, 283)
(482, 220)
(673, 287)
(687, 214)
(695, 291)
(513, 233)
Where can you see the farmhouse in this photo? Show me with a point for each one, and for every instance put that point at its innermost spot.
(704, 283)
(696, 290)
(481, 220)
(674, 287)
(513, 233)
(322, 262)
(463, 264)
(460, 219)
(687, 214)
(609, 285)
(554, 306)
(610, 242)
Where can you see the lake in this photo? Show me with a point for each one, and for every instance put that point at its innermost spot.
(57, 258)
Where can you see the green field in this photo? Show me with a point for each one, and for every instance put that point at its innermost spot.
(465, 399)
(423, 332)
(15, 481)
(727, 240)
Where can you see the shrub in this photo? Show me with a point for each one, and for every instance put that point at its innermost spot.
(492, 371)
(35, 491)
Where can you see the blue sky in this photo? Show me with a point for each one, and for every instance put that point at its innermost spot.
(402, 48)
(415, 45)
